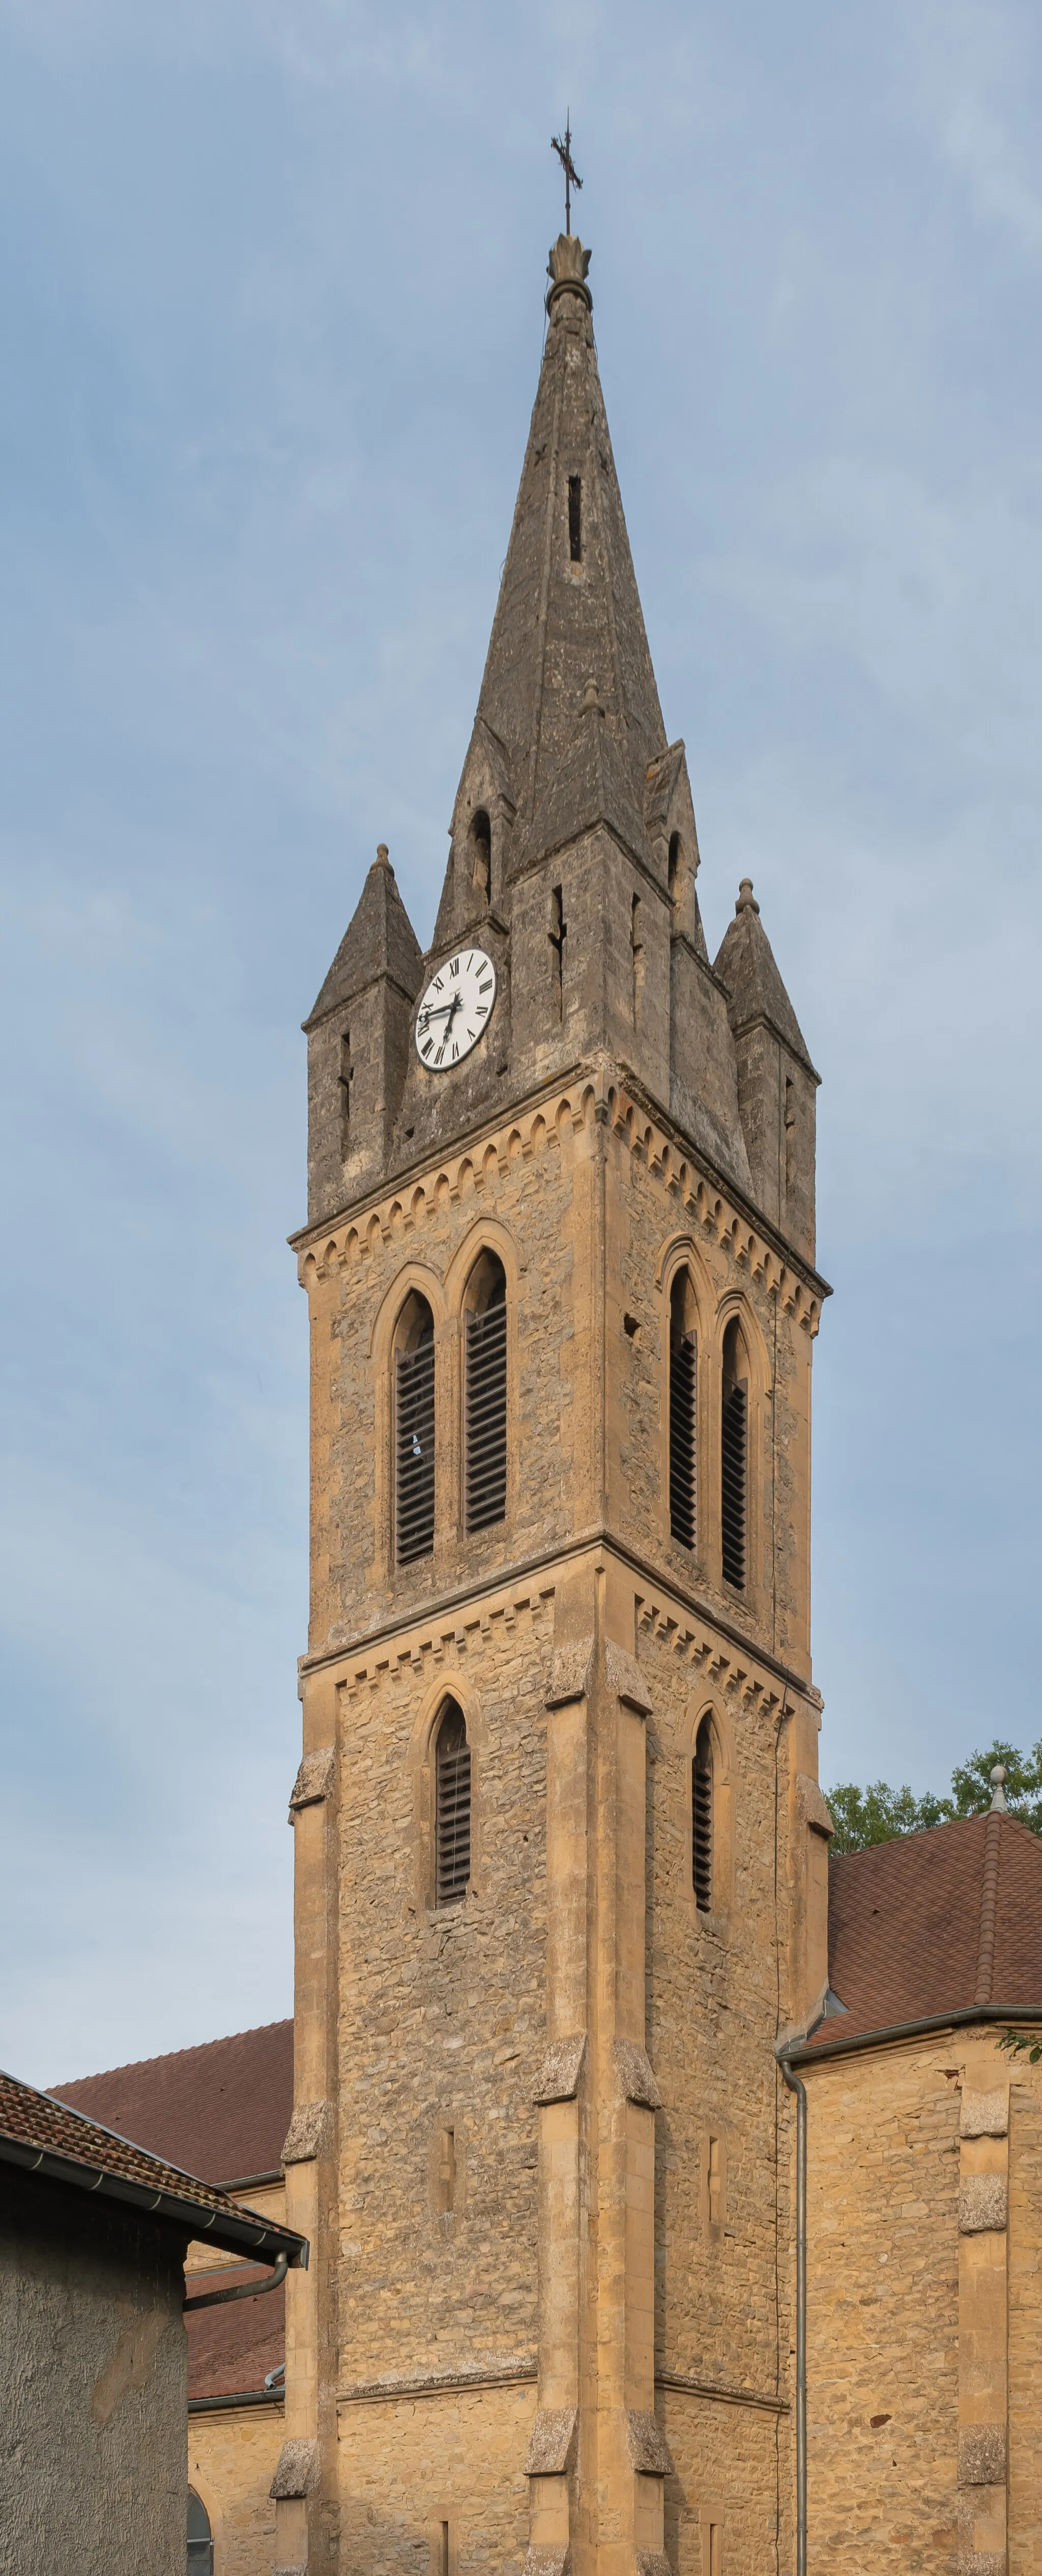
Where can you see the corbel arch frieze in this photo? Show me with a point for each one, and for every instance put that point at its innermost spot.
(733, 1680)
(595, 1101)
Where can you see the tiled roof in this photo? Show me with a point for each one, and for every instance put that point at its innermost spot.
(34, 2127)
(232, 2349)
(936, 1922)
(222, 2109)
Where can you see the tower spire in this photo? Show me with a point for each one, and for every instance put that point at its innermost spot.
(568, 609)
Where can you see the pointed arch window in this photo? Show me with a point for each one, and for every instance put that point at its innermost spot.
(734, 1458)
(414, 1432)
(702, 1817)
(683, 1412)
(200, 2537)
(451, 1807)
(485, 1396)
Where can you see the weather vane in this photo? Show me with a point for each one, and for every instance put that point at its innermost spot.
(571, 175)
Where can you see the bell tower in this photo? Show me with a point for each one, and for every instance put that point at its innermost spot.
(560, 1848)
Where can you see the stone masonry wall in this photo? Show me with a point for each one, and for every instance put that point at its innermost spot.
(650, 1231)
(232, 2457)
(442, 2016)
(713, 1992)
(1025, 2316)
(882, 2309)
(411, 2465)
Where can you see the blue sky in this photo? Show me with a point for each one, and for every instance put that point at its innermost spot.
(271, 281)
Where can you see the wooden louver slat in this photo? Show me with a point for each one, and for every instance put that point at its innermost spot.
(486, 1418)
(452, 1858)
(683, 1440)
(414, 1453)
(702, 1823)
(733, 1479)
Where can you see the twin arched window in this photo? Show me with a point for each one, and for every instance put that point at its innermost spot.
(484, 1413)
(414, 1432)
(485, 1396)
(734, 1456)
(683, 1434)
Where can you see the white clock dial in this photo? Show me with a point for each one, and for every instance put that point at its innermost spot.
(455, 1010)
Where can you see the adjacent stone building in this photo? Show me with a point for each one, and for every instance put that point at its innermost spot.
(924, 2209)
(93, 2238)
(223, 2110)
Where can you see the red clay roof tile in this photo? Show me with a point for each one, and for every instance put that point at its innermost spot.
(223, 2108)
(905, 1925)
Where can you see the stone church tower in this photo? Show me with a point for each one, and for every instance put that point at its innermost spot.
(560, 1848)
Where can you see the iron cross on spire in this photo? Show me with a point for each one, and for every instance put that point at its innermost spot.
(571, 175)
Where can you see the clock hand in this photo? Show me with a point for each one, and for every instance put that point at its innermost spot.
(443, 1011)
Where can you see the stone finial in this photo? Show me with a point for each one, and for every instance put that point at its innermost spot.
(746, 899)
(566, 268)
(383, 855)
(999, 1801)
(591, 700)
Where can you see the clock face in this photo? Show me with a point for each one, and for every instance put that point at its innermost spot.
(455, 1010)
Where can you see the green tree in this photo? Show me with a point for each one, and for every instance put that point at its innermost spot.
(878, 1813)
(971, 1783)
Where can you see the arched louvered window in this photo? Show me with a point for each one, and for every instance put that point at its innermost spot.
(683, 1412)
(734, 1457)
(451, 1807)
(702, 1817)
(414, 1432)
(485, 1396)
(200, 2538)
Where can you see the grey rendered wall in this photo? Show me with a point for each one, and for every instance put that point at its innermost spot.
(92, 2431)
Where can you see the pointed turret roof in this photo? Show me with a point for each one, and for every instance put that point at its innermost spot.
(379, 940)
(568, 612)
(747, 969)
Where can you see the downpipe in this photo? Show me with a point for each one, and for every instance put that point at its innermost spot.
(247, 2289)
(795, 2086)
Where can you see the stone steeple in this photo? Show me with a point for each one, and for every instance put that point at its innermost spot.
(561, 1865)
(573, 863)
(569, 612)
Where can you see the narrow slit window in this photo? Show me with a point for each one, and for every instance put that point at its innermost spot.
(447, 2169)
(637, 954)
(790, 1133)
(414, 1434)
(683, 1413)
(452, 1808)
(558, 933)
(674, 866)
(485, 1428)
(734, 1459)
(702, 1818)
(347, 1075)
(575, 517)
(481, 855)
